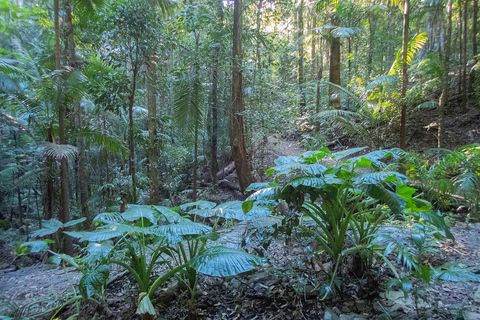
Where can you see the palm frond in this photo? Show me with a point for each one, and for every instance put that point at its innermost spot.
(427, 105)
(413, 46)
(105, 139)
(59, 151)
(189, 113)
(343, 32)
(382, 80)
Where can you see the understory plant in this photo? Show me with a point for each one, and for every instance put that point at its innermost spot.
(448, 177)
(146, 236)
(344, 196)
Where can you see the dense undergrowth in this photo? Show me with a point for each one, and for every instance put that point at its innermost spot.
(338, 199)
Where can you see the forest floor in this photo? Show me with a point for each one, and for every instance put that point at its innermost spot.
(285, 287)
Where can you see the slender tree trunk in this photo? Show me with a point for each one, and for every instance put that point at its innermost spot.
(464, 85)
(319, 78)
(444, 98)
(47, 188)
(372, 21)
(314, 48)
(152, 130)
(460, 53)
(64, 204)
(81, 169)
(237, 136)
(214, 136)
(473, 73)
(301, 77)
(196, 95)
(403, 119)
(335, 67)
(131, 100)
(475, 30)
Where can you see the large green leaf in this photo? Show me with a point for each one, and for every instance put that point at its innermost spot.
(257, 186)
(98, 235)
(57, 258)
(145, 306)
(314, 169)
(93, 280)
(223, 262)
(234, 210)
(102, 249)
(314, 182)
(136, 212)
(74, 222)
(170, 215)
(173, 232)
(49, 227)
(271, 193)
(451, 272)
(288, 160)
(377, 177)
(200, 204)
(375, 156)
(32, 246)
(345, 153)
(391, 199)
(109, 217)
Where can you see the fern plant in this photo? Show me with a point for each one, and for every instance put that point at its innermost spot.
(448, 176)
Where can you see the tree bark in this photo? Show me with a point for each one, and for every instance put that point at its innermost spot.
(64, 204)
(335, 67)
(131, 100)
(301, 77)
(473, 73)
(81, 163)
(214, 135)
(464, 85)
(444, 98)
(152, 131)
(403, 116)
(237, 136)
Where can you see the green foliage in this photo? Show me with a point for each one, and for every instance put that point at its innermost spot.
(138, 240)
(446, 177)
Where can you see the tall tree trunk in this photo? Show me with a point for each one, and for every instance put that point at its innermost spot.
(81, 169)
(335, 65)
(314, 47)
(474, 30)
(473, 72)
(464, 85)
(444, 98)
(47, 187)
(64, 204)
(196, 96)
(372, 27)
(131, 100)
(214, 135)
(301, 55)
(152, 130)
(460, 52)
(237, 136)
(403, 116)
(319, 78)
